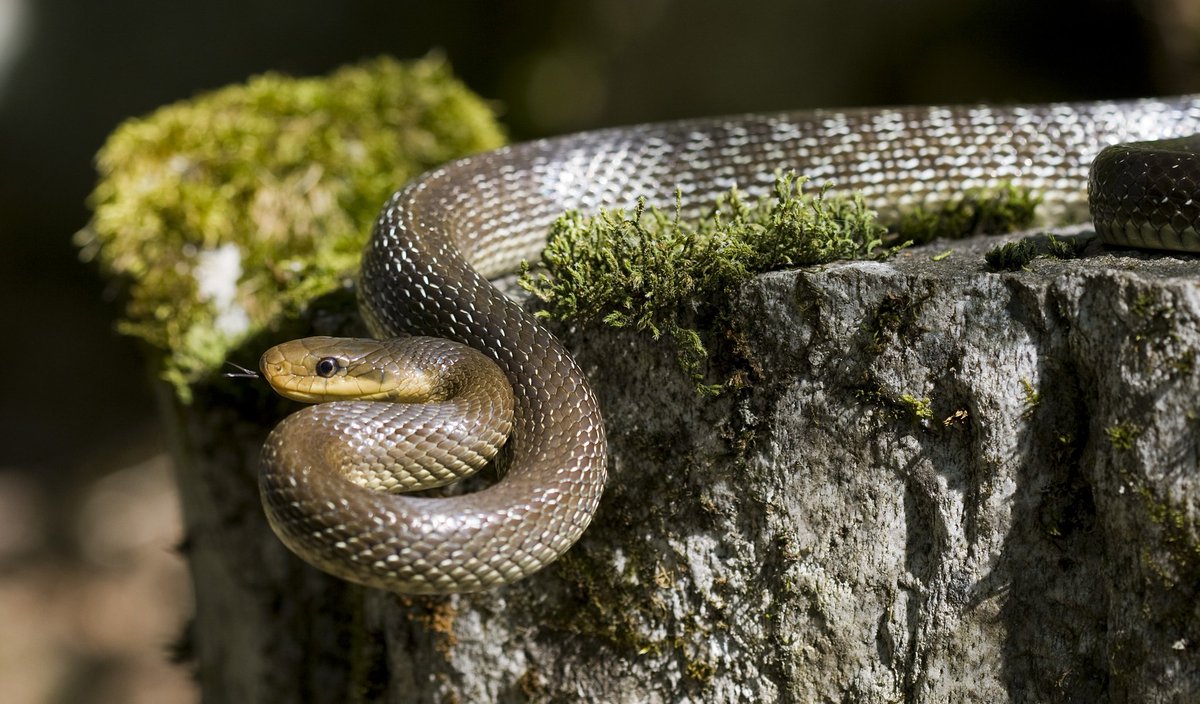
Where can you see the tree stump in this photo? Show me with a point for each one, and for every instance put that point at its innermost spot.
(937, 484)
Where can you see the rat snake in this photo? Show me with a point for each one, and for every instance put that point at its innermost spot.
(330, 471)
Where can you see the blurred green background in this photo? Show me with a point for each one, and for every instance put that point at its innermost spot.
(75, 404)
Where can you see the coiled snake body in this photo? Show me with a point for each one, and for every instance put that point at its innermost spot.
(436, 243)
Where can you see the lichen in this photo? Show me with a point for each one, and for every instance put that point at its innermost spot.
(1015, 256)
(221, 214)
(437, 616)
(651, 271)
(977, 211)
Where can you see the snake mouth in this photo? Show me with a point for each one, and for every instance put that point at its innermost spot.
(285, 382)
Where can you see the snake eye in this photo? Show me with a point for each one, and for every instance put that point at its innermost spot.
(328, 366)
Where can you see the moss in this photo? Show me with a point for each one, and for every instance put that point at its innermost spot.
(920, 409)
(631, 610)
(893, 319)
(1146, 305)
(979, 211)
(1123, 435)
(893, 322)
(1178, 556)
(1016, 256)
(1184, 363)
(651, 271)
(700, 671)
(1032, 397)
(611, 605)
(1156, 328)
(1154, 322)
(221, 214)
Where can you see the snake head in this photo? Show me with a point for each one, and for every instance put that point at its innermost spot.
(318, 369)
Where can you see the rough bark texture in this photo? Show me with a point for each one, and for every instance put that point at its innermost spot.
(939, 484)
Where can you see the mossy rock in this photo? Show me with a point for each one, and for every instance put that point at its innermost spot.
(222, 214)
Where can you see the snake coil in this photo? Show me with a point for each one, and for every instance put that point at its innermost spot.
(437, 241)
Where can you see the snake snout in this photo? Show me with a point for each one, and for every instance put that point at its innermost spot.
(271, 364)
(291, 370)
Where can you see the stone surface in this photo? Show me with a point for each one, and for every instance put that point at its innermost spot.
(938, 484)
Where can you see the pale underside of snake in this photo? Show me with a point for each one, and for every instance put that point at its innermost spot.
(331, 471)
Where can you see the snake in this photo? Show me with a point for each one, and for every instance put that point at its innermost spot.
(334, 474)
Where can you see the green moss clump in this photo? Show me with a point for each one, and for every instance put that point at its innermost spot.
(893, 320)
(1015, 256)
(1123, 435)
(700, 670)
(1177, 558)
(220, 214)
(648, 270)
(978, 211)
(920, 409)
(1033, 397)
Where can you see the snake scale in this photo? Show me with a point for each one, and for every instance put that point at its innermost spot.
(330, 471)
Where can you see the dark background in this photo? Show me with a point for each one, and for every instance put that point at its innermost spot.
(75, 402)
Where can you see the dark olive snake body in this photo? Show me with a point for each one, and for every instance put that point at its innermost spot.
(437, 241)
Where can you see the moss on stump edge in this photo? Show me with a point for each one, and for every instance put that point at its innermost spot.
(656, 273)
(221, 215)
